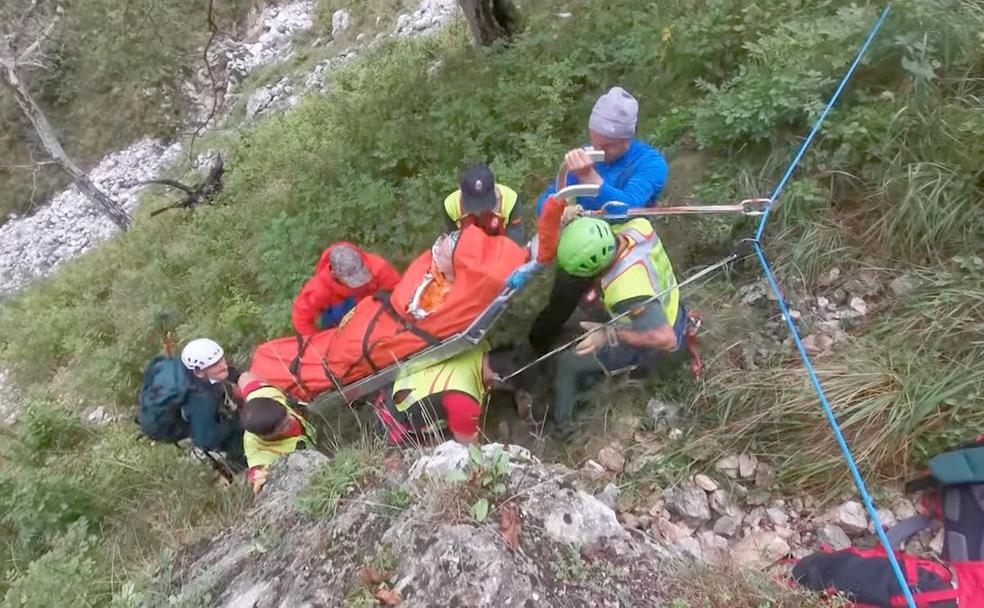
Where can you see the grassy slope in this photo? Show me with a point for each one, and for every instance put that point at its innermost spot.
(894, 178)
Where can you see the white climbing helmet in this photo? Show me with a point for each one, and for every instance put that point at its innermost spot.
(201, 353)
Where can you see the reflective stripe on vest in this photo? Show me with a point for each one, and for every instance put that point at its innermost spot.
(264, 452)
(462, 373)
(642, 270)
(503, 208)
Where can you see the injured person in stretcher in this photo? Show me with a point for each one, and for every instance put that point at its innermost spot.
(441, 293)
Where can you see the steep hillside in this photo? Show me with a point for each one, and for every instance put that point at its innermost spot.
(876, 243)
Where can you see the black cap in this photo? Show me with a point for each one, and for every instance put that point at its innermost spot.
(477, 189)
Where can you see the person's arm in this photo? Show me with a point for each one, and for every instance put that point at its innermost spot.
(316, 295)
(463, 412)
(386, 276)
(333, 315)
(649, 328)
(661, 338)
(209, 430)
(514, 225)
(645, 184)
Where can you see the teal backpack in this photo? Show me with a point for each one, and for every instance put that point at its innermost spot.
(165, 387)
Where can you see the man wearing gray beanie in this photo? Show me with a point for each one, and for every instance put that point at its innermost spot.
(633, 173)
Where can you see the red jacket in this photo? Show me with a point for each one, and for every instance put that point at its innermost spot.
(322, 291)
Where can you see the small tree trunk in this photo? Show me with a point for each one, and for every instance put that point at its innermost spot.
(488, 20)
(49, 140)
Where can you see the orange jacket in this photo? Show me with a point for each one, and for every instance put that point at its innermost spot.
(323, 293)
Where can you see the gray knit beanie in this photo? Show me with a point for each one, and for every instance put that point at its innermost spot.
(614, 114)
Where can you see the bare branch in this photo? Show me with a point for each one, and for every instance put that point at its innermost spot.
(169, 182)
(213, 30)
(23, 57)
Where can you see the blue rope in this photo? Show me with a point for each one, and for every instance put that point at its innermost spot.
(816, 127)
(807, 363)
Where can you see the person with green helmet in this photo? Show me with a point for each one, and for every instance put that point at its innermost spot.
(633, 275)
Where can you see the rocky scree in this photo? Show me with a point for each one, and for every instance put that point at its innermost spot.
(571, 549)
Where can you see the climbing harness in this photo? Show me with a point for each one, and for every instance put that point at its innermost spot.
(694, 321)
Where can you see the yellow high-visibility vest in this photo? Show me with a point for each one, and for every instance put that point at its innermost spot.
(641, 270)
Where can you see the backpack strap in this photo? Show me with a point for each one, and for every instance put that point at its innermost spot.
(906, 528)
(920, 484)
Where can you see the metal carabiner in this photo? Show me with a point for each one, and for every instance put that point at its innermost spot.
(755, 206)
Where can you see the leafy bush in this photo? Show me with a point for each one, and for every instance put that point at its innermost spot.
(71, 573)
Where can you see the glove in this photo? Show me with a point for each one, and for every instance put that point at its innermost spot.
(571, 213)
(521, 275)
(599, 335)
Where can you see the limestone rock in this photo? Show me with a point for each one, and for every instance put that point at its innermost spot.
(452, 456)
(609, 496)
(722, 504)
(760, 549)
(611, 458)
(901, 285)
(713, 547)
(726, 526)
(430, 560)
(688, 501)
(705, 483)
(778, 517)
(859, 305)
(673, 533)
(728, 465)
(833, 535)
(593, 470)
(850, 516)
(662, 414)
(339, 22)
(747, 464)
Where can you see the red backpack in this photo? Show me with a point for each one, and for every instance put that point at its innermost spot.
(865, 577)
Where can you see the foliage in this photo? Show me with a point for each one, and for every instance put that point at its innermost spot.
(905, 391)
(487, 475)
(71, 573)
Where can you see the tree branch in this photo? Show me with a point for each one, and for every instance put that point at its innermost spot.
(213, 30)
(23, 57)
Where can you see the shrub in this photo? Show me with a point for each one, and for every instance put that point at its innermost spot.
(72, 573)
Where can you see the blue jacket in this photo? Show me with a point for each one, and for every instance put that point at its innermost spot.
(636, 179)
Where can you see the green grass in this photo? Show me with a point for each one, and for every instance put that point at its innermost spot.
(348, 472)
(688, 584)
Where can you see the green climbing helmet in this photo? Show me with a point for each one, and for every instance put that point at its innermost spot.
(587, 246)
